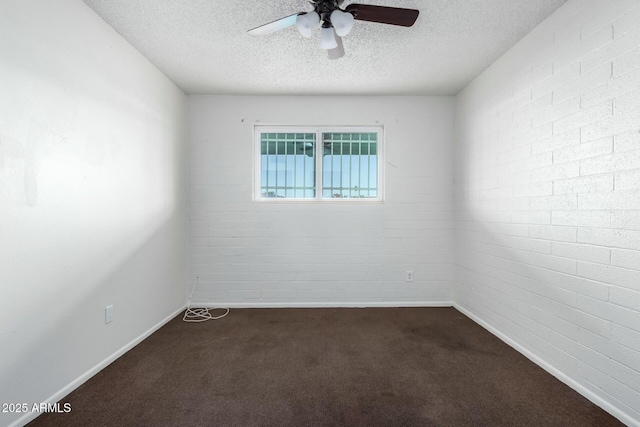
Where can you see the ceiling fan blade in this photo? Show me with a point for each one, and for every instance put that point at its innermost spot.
(383, 14)
(272, 27)
(336, 52)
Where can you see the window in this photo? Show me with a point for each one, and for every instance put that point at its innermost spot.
(334, 163)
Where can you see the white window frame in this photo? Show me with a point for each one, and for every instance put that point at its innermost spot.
(318, 131)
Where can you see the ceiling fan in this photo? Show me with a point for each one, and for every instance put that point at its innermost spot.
(336, 22)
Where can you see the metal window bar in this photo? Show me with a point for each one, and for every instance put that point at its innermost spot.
(280, 155)
(276, 166)
(286, 158)
(286, 165)
(349, 151)
(369, 169)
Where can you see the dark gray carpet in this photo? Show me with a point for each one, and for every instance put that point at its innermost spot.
(326, 367)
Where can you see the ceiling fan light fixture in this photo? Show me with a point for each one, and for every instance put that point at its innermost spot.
(328, 38)
(342, 22)
(306, 22)
(336, 22)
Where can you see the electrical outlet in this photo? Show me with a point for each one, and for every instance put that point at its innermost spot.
(409, 276)
(108, 314)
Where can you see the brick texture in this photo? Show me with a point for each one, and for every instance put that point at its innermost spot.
(248, 253)
(557, 153)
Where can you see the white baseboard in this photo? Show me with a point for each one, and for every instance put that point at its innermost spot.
(353, 304)
(531, 355)
(30, 416)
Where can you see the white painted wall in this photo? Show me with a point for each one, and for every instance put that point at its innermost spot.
(92, 196)
(548, 201)
(249, 253)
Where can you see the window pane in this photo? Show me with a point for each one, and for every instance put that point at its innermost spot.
(349, 168)
(287, 162)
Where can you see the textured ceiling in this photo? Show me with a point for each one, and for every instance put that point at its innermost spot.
(203, 45)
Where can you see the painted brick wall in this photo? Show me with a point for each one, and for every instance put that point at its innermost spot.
(547, 168)
(248, 253)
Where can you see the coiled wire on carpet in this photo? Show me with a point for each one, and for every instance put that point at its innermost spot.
(200, 314)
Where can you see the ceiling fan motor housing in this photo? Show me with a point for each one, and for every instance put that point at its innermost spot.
(324, 8)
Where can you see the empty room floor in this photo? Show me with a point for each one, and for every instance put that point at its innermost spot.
(307, 367)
